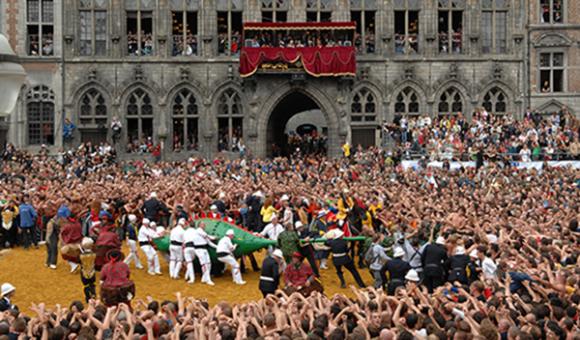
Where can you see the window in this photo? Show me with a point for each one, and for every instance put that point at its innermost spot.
(494, 26)
(93, 109)
(230, 120)
(363, 12)
(185, 121)
(139, 119)
(450, 25)
(39, 27)
(552, 11)
(407, 102)
(494, 101)
(319, 10)
(407, 26)
(552, 72)
(93, 27)
(450, 102)
(184, 27)
(274, 10)
(363, 107)
(40, 113)
(140, 27)
(229, 24)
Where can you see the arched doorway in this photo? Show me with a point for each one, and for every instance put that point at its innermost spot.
(308, 131)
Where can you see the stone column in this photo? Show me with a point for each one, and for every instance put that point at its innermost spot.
(341, 10)
(297, 11)
(209, 28)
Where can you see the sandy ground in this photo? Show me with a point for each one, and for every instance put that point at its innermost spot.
(35, 283)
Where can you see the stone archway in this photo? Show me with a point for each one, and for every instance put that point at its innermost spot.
(284, 105)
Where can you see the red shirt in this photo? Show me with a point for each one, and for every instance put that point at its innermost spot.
(297, 276)
(115, 275)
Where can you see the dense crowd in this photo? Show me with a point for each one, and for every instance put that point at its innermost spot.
(537, 137)
(488, 252)
(141, 44)
(298, 39)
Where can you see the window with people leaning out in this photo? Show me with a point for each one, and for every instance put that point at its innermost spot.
(406, 32)
(229, 26)
(140, 33)
(363, 12)
(450, 26)
(184, 33)
(551, 72)
(39, 27)
(552, 11)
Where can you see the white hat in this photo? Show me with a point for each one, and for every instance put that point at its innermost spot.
(338, 234)
(230, 232)
(153, 195)
(278, 253)
(152, 224)
(259, 194)
(398, 252)
(284, 198)
(473, 253)
(440, 240)
(132, 218)
(460, 250)
(7, 288)
(146, 221)
(412, 276)
(181, 221)
(213, 207)
(87, 242)
(160, 230)
(298, 224)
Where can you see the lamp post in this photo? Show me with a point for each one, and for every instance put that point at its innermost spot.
(12, 76)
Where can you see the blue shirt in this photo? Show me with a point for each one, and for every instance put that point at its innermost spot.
(27, 215)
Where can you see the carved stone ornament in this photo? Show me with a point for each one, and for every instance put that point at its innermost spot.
(184, 73)
(139, 72)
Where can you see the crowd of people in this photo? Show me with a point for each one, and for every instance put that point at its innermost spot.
(184, 46)
(295, 39)
(141, 44)
(488, 252)
(536, 137)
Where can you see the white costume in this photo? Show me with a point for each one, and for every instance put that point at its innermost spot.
(225, 251)
(176, 251)
(146, 236)
(201, 241)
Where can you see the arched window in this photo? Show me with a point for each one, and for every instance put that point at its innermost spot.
(40, 113)
(363, 107)
(450, 102)
(230, 120)
(407, 102)
(494, 101)
(93, 109)
(185, 117)
(139, 119)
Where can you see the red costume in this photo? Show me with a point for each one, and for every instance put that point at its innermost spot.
(116, 287)
(297, 276)
(108, 240)
(71, 236)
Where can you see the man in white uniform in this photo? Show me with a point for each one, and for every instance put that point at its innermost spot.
(189, 254)
(176, 249)
(225, 252)
(147, 234)
(273, 229)
(200, 241)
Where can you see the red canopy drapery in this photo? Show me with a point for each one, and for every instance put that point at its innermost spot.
(317, 61)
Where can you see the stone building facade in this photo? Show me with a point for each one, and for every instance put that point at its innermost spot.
(166, 70)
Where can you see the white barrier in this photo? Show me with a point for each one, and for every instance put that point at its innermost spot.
(520, 165)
